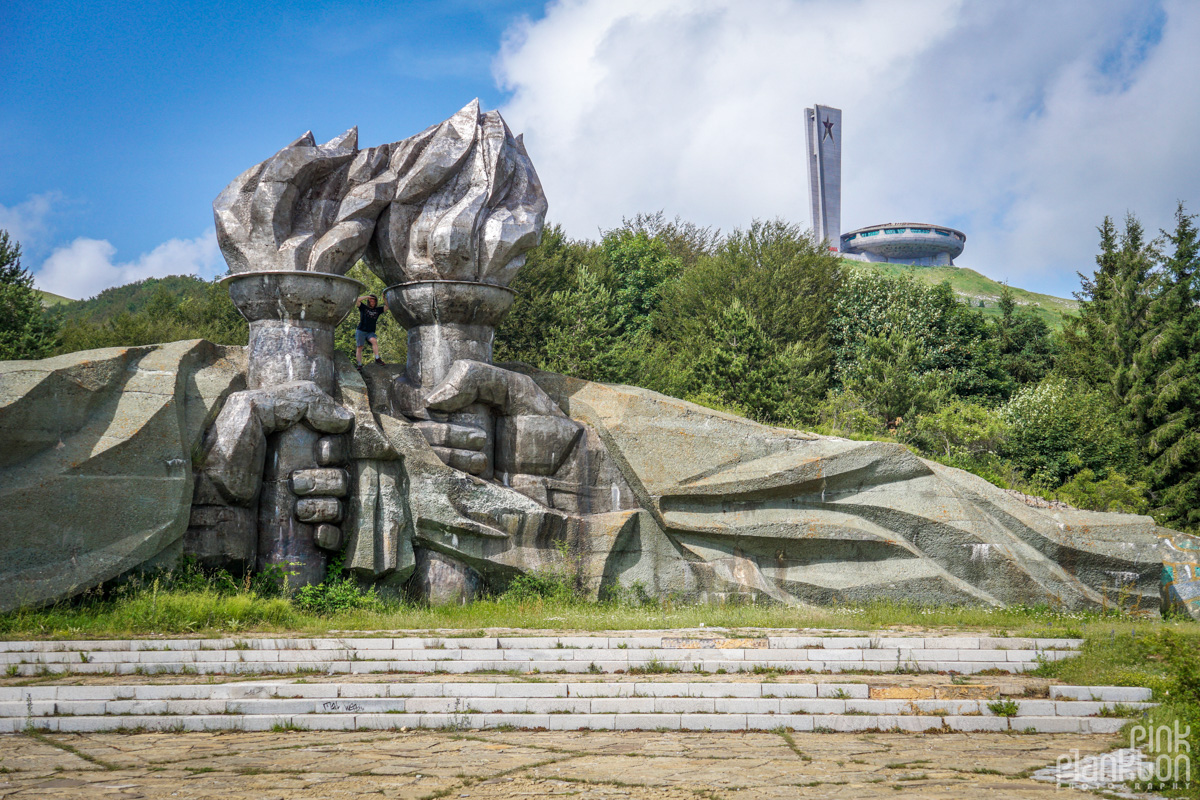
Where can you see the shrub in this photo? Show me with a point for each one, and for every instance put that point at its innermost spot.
(1112, 493)
(537, 586)
(1057, 429)
(337, 593)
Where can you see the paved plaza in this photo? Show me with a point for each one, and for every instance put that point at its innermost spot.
(519, 764)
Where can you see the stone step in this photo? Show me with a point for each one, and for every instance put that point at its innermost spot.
(550, 705)
(1112, 694)
(662, 697)
(544, 654)
(625, 641)
(819, 723)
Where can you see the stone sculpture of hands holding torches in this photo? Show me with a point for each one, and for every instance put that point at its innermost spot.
(289, 229)
(445, 217)
(464, 214)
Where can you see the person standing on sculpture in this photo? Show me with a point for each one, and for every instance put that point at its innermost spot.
(369, 311)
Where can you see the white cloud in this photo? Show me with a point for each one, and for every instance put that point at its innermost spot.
(85, 267)
(26, 222)
(1021, 122)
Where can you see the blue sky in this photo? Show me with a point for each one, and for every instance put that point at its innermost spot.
(134, 115)
(1022, 122)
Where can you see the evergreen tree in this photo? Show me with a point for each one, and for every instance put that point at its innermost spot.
(1086, 353)
(1128, 313)
(740, 366)
(1170, 361)
(25, 329)
(1024, 341)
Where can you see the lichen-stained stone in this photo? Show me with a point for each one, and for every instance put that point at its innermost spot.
(96, 452)
(1180, 554)
(795, 517)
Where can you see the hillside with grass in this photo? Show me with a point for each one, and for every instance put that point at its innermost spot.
(50, 300)
(981, 291)
(132, 298)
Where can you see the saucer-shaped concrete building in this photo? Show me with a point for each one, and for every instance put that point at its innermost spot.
(906, 243)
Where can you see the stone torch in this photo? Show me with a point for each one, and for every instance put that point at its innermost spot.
(448, 245)
(289, 229)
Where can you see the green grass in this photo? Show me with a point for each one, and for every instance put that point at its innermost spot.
(213, 612)
(50, 299)
(970, 285)
(1163, 657)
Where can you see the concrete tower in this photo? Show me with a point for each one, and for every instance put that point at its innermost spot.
(823, 130)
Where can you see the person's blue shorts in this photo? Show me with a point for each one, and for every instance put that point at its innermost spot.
(362, 338)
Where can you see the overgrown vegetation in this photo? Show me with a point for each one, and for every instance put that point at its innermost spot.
(1165, 658)
(188, 600)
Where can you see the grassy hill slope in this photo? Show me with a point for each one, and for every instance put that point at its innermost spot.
(131, 298)
(49, 300)
(982, 291)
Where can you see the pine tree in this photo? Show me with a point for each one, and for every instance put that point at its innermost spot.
(1170, 362)
(25, 330)
(1128, 320)
(1085, 338)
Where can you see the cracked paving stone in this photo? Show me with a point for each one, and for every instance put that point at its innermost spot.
(520, 764)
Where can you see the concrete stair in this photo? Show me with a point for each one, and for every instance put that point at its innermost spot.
(551, 705)
(624, 653)
(530, 682)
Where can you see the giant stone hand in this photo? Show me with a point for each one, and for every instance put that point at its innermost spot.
(533, 436)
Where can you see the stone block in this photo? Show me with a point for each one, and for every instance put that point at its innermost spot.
(1045, 724)
(435, 705)
(794, 642)
(712, 722)
(746, 705)
(548, 705)
(852, 724)
(1115, 694)
(384, 722)
(1103, 724)
(967, 724)
(455, 689)
(1078, 708)
(583, 642)
(878, 706)
(600, 689)
(647, 722)
(622, 705)
(416, 690)
(789, 690)
(724, 690)
(684, 705)
(846, 691)
(573, 722)
(917, 724)
(531, 690)
(662, 689)
(769, 722)
(805, 706)
(845, 642)
(324, 722)
(635, 642)
(951, 642)
(1006, 643)
(279, 707)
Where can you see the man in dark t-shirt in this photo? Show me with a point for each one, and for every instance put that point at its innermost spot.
(369, 311)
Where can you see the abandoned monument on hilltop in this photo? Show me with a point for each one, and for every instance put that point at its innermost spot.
(449, 475)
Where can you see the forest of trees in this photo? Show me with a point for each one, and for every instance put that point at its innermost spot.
(1104, 414)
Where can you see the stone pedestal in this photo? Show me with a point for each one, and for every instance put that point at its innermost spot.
(449, 321)
(292, 317)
